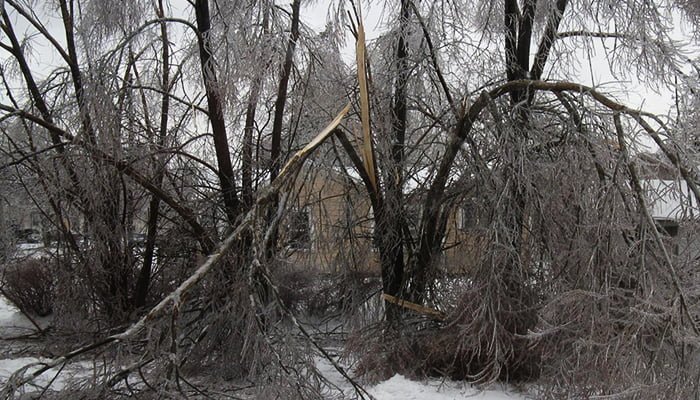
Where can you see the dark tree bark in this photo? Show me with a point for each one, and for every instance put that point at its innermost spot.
(391, 215)
(278, 120)
(281, 100)
(216, 112)
(511, 13)
(144, 277)
(547, 40)
(67, 13)
(247, 151)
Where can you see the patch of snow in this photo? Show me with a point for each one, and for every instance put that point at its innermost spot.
(14, 323)
(71, 372)
(396, 388)
(32, 251)
(401, 388)
(29, 246)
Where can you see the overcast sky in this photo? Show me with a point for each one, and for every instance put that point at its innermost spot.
(595, 72)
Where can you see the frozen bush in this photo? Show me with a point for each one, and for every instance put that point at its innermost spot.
(29, 285)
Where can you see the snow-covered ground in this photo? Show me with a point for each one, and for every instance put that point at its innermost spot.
(13, 323)
(401, 388)
(24, 251)
(57, 377)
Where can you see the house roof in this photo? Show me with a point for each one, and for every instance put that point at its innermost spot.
(655, 166)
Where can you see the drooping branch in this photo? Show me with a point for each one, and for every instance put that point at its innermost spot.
(644, 209)
(465, 124)
(430, 220)
(689, 174)
(576, 118)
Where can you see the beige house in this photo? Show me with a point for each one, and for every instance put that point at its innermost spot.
(329, 228)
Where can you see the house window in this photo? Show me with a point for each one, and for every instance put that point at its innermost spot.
(468, 218)
(36, 220)
(299, 229)
(471, 216)
(667, 227)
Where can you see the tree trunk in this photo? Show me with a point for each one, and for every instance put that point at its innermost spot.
(144, 277)
(278, 121)
(101, 207)
(281, 100)
(391, 216)
(216, 112)
(247, 151)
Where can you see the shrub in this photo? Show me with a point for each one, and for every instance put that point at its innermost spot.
(29, 285)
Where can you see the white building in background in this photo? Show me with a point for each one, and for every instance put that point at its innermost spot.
(671, 203)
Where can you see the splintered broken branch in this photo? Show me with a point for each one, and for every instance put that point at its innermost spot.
(430, 312)
(289, 170)
(367, 145)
